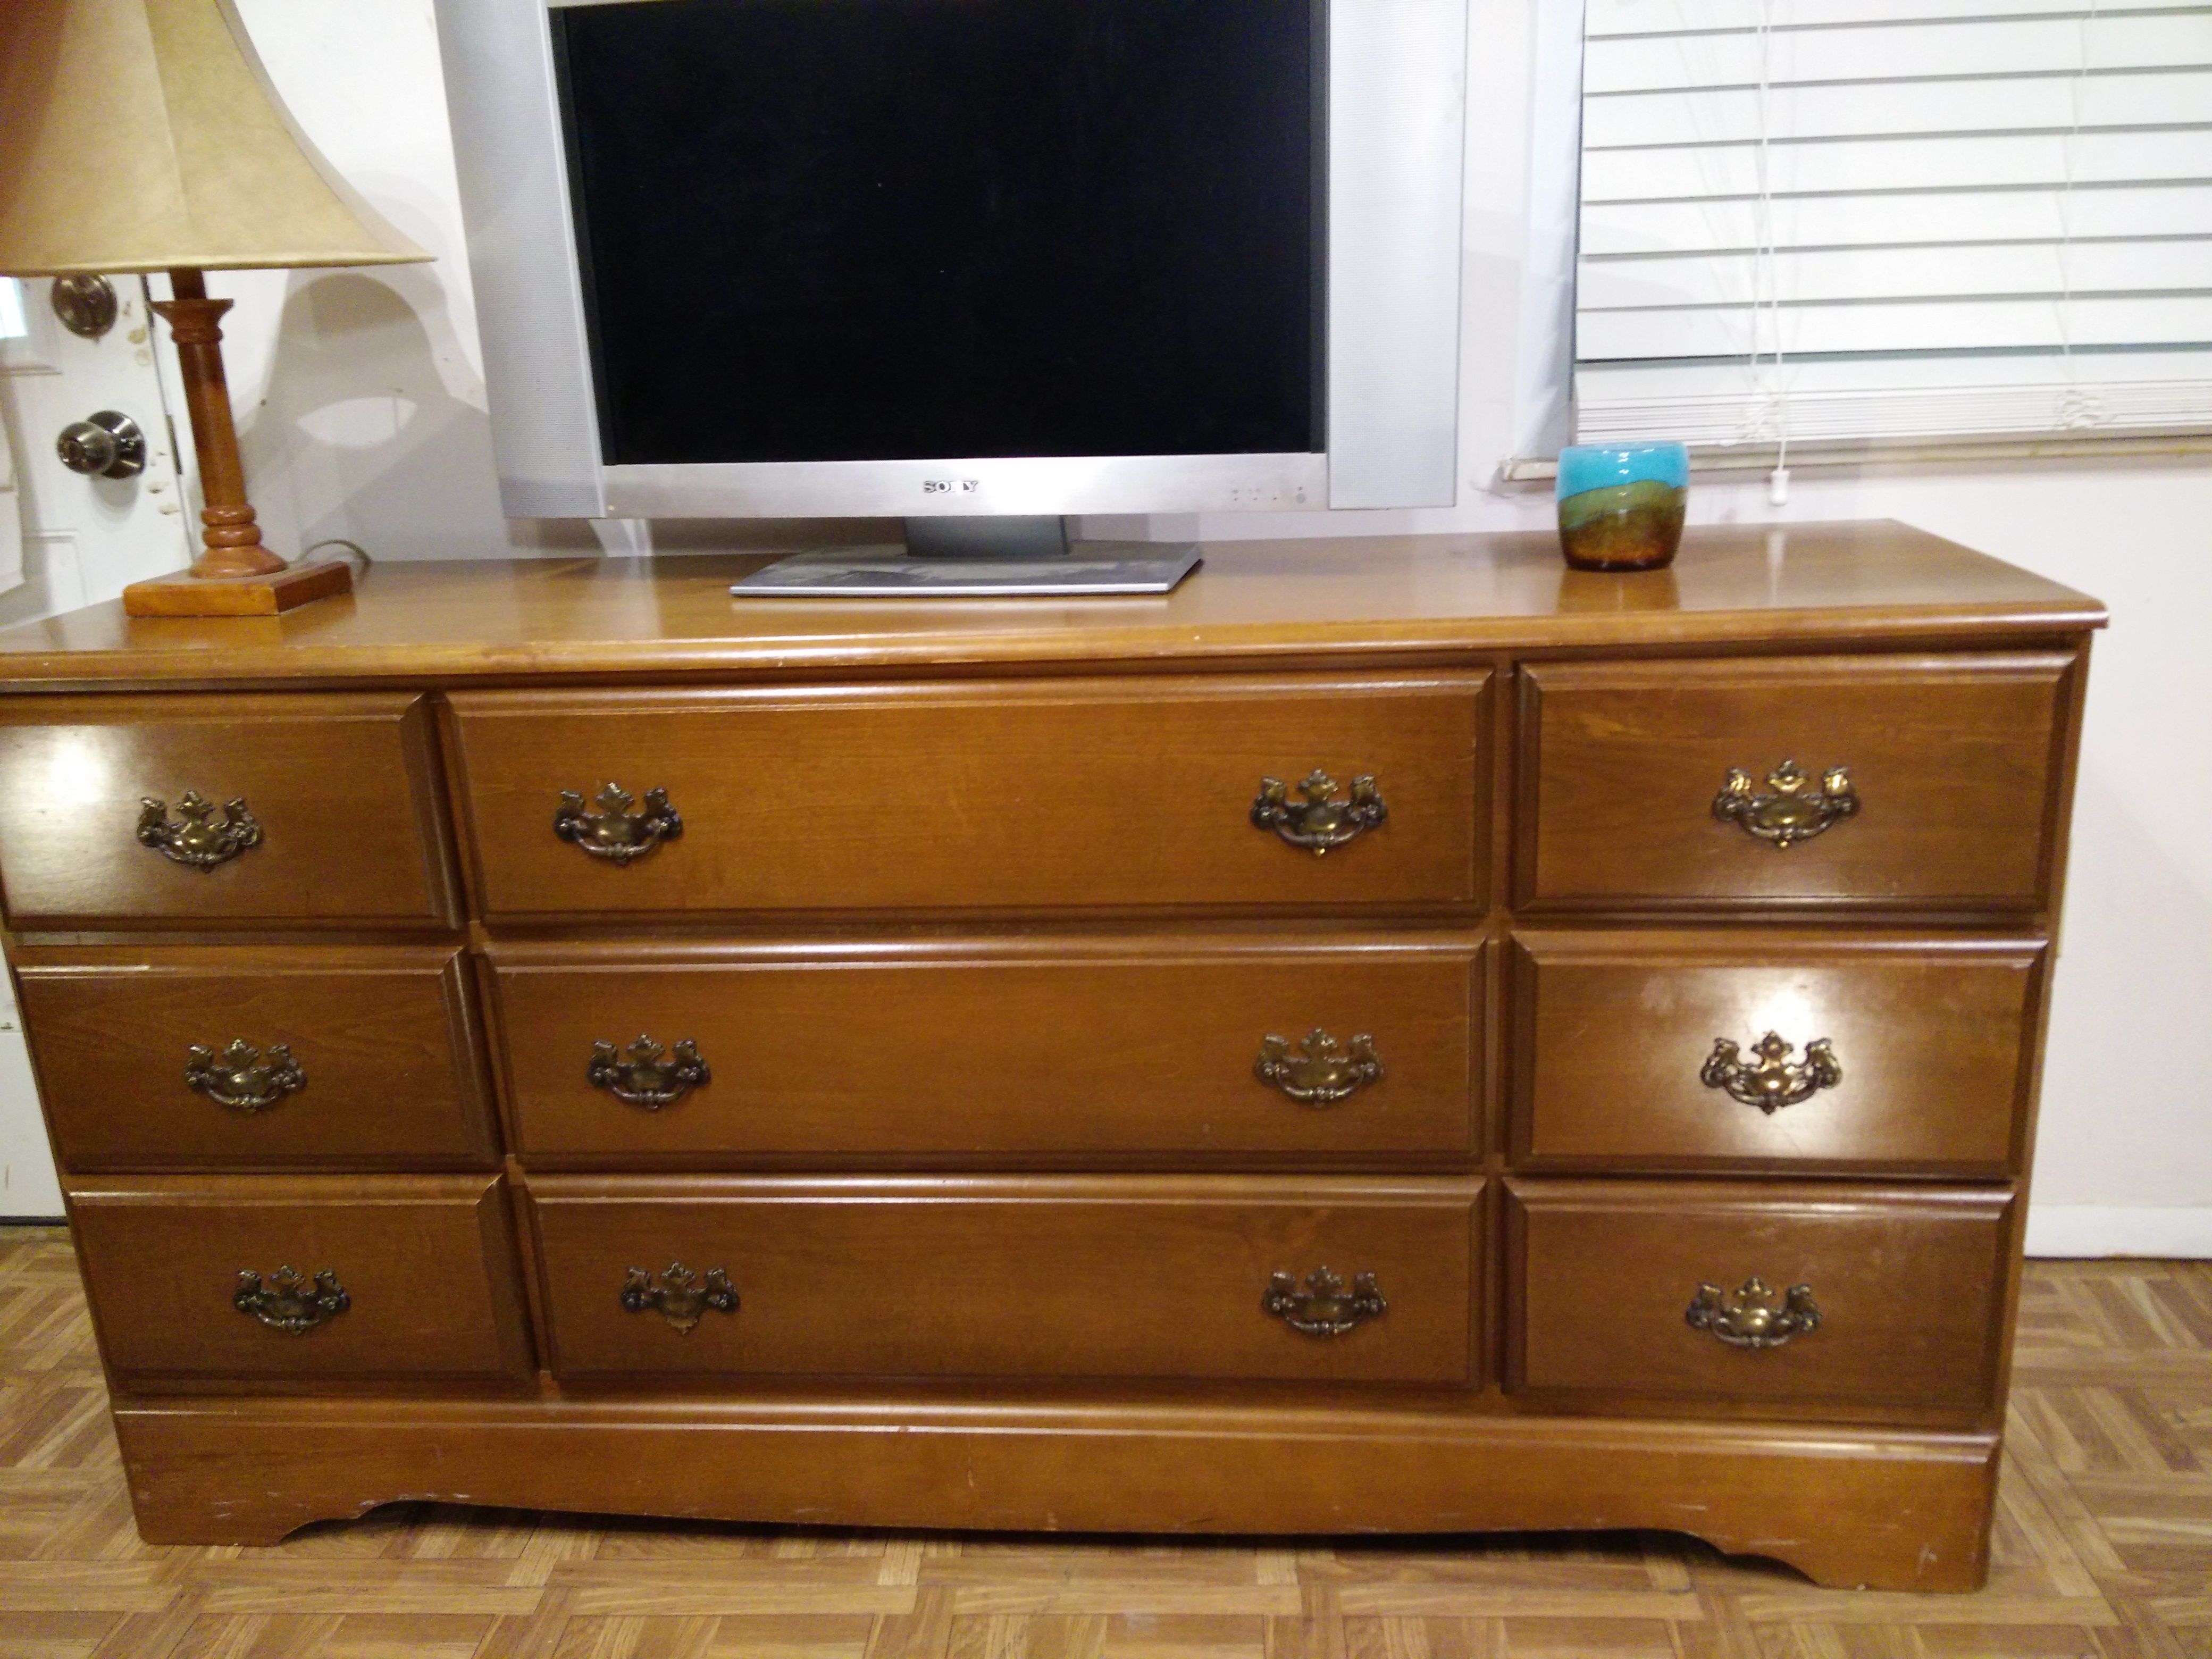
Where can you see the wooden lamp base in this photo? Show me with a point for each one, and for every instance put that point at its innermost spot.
(236, 576)
(186, 595)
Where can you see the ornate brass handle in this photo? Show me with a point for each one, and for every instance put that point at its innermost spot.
(1787, 813)
(242, 1078)
(614, 832)
(291, 1302)
(1323, 1072)
(640, 1075)
(1315, 821)
(1324, 1307)
(1742, 1317)
(196, 836)
(1771, 1081)
(679, 1295)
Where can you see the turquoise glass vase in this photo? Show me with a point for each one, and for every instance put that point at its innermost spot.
(1621, 505)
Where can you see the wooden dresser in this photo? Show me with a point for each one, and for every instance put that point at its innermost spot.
(1396, 1036)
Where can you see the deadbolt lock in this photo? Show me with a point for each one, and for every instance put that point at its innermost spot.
(87, 304)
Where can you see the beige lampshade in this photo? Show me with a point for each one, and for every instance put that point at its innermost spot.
(144, 135)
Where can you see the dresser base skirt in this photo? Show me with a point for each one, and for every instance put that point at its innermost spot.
(1890, 1510)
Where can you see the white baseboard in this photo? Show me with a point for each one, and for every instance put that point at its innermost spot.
(2093, 1229)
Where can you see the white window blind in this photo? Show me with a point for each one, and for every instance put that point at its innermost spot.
(13, 325)
(1839, 222)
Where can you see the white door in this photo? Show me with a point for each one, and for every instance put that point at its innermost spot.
(67, 540)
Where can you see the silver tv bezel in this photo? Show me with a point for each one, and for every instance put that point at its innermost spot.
(1396, 120)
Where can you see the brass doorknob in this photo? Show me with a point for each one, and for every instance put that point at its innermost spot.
(108, 445)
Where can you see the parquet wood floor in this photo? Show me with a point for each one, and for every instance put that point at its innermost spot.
(2103, 1548)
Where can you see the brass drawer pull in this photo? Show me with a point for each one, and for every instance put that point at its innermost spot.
(291, 1302)
(614, 832)
(640, 1075)
(679, 1295)
(1787, 813)
(1316, 822)
(1742, 1318)
(1771, 1081)
(196, 836)
(1323, 1072)
(1324, 1307)
(242, 1077)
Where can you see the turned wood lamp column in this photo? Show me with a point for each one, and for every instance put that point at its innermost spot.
(232, 537)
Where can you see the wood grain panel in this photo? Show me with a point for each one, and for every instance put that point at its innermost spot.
(877, 797)
(342, 786)
(1935, 1038)
(1316, 600)
(1910, 1285)
(428, 1262)
(2099, 1545)
(1850, 1507)
(1954, 760)
(1082, 793)
(1135, 1276)
(386, 1038)
(1075, 1047)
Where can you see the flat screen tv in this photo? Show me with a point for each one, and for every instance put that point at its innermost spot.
(963, 258)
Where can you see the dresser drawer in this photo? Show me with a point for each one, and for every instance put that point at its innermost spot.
(1136, 1277)
(1604, 1278)
(136, 1063)
(1948, 798)
(422, 1278)
(940, 1051)
(1082, 794)
(121, 807)
(1618, 1059)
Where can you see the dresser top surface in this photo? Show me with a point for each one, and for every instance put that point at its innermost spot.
(1806, 584)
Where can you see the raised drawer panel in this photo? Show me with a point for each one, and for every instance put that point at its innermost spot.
(1139, 1277)
(1952, 763)
(1062, 1046)
(135, 1059)
(340, 789)
(1085, 794)
(1926, 1066)
(426, 1264)
(1908, 1287)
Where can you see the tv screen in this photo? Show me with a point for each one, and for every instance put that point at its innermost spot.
(827, 230)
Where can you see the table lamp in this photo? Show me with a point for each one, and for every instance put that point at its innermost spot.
(212, 174)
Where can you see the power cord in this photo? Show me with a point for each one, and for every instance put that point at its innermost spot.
(355, 548)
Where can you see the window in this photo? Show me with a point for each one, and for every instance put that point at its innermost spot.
(13, 323)
(1856, 223)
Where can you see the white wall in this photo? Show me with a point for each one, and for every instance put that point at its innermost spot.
(2124, 1162)
(360, 394)
(363, 415)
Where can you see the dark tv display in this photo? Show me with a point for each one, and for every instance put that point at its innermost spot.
(824, 230)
